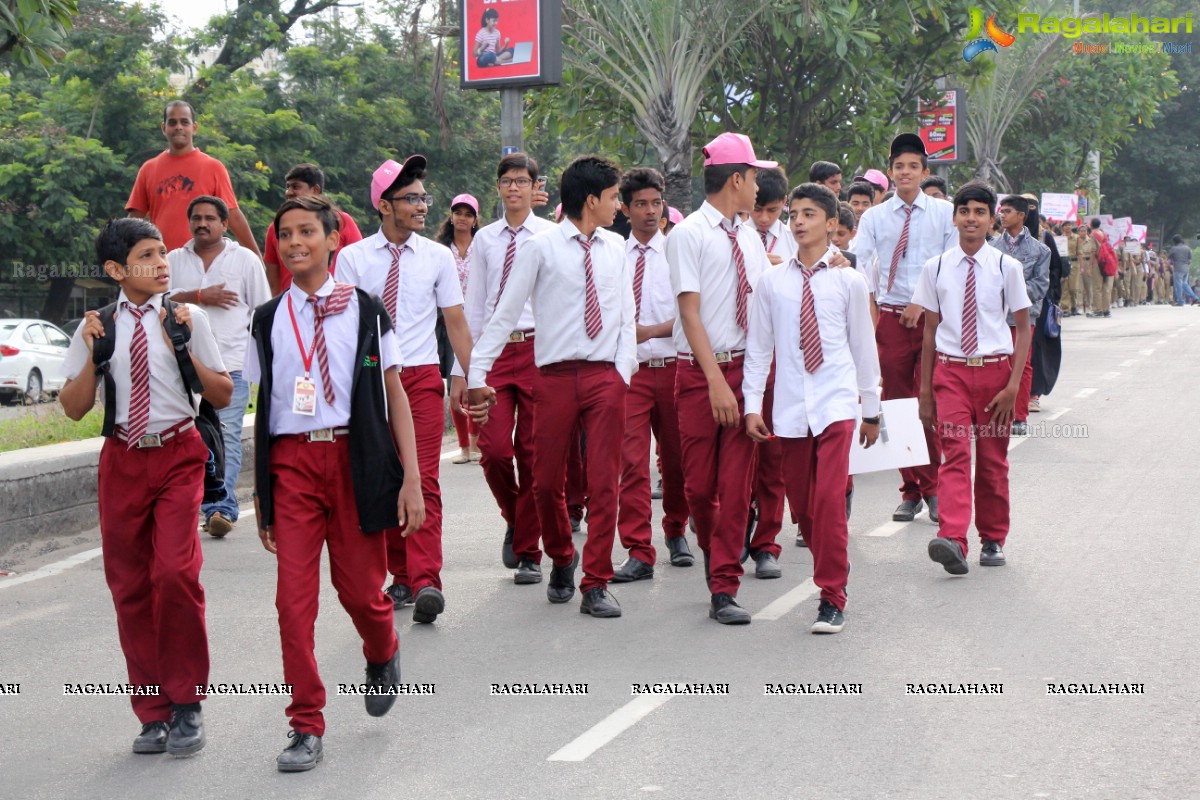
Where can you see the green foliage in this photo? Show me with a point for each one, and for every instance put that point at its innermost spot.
(32, 31)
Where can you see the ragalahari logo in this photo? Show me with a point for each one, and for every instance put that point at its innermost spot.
(995, 36)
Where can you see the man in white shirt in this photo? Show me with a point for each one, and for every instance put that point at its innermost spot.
(905, 232)
(415, 277)
(228, 281)
(586, 353)
(766, 514)
(509, 432)
(650, 401)
(715, 261)
(970, 373)
(815, 324)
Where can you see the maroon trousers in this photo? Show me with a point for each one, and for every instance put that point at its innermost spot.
(815, 469)
(961, 394)
(900, 368)
(314, 506)
(577, 493)
(718, 466)
(768, 484)
(508, 434)
(650, 406)
(149, 501)
(416, 560)
(1022, 409)
(572, 395)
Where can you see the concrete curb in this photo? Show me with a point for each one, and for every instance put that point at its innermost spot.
(51, 491)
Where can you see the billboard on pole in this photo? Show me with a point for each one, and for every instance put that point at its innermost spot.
(511, 43)
(941, 126)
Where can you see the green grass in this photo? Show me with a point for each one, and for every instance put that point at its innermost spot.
(51, 427)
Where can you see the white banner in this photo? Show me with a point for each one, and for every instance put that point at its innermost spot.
(901, 441)
(1138, 232)
(1059, 207)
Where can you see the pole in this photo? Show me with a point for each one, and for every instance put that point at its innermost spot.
(512, 124)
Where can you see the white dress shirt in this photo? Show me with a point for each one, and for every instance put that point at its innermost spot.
(549, 270)
(242, 272)
(701, 259)
(807, 403)
(487, 266)
(168, 396)
(780, 240)
(999, 290)
(931, 231)
(428, 281)
(658, 303)
(341, 346)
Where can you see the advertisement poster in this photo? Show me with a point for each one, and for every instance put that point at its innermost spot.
(939, 126)
(510, 43)
(1059, 207)
(1138, 232)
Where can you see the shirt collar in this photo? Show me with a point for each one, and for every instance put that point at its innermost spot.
(829, 253)
(657, 243)
(896, 204)
(155, 300)
(569, 231)
(523, 224)
(300, 298)
(716, 219)
(380, 242)
(190, 246)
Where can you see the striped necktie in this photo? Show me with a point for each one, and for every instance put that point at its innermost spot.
(139, 376)
(592, 323)
(391, 289)
(743, 290)
(901, 247)
(810, 331)
(336, 303)
(510, 255)
(970, 330)
(639, 275)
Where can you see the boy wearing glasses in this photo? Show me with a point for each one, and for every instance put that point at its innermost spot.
(508, 433)
(415, 277)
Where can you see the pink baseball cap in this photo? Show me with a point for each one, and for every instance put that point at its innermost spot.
(733, 148)
(875, 177)
(558, 213)
(465, 200)
(674, 215)
(387, 173)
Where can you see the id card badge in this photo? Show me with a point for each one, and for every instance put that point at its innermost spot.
(304, 398)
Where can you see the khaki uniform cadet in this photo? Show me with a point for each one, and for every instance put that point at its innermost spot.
(1137, 284)
(1121, 284)
(1072, 301)
(1089, 272)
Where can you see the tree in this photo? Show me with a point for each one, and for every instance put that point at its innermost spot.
(31, 31)
(656, 56)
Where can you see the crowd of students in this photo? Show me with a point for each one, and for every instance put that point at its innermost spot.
(744, 347)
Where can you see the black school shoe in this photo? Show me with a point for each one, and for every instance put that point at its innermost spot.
(949, 555)
(830, 619)
(599, 603)
(506, 550)
(681, 552)
(992, 555)
(185, 736)
(304, 753)
(401, 595)
(907, 510)
(382, 680)
(633, 569)
(152, 739)
(430, 602)
(725, 610)
(561, 586)
(528, 571)
(766, 566)
(932, 503)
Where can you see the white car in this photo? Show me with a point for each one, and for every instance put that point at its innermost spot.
(31, 358)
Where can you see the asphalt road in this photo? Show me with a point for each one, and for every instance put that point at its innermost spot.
(1100, 588)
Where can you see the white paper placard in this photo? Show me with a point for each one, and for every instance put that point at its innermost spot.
(905, 440)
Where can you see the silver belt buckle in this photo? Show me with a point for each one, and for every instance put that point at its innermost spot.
(723, 357)
(150, 440)
(975, 361)
(658, 362)
(323, 435)
(517, 336)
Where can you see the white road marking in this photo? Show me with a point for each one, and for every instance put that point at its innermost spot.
(1108, 376)
(51, 569)
(1146, 352)
(609, 728)
(1057, 414)
(787, 602)
(1161, 341)
(893, 527)
(1013, 443)
(1129, 362)
(1082, 393)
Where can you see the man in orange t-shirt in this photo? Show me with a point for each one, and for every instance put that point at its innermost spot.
(167, 183)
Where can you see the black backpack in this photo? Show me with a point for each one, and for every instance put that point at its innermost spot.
(208, 423)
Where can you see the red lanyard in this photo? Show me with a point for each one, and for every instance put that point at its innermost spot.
(307, 358)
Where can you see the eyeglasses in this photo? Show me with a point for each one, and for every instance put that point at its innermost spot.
(412, 199)
(524, 183)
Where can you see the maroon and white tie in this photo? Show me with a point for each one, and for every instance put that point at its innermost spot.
(639, 275)
(592, 323)
(139, 376)
(743, 290)
(510, 255)
(764, 235)
(970, 330)
(901, 247)
(810, 331)
(335, 304)
(391, 289)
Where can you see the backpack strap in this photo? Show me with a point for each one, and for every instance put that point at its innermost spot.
(102, 353)
(180, 335)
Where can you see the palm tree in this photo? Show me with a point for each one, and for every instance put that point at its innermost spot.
(1002, 97)
(657, 56)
